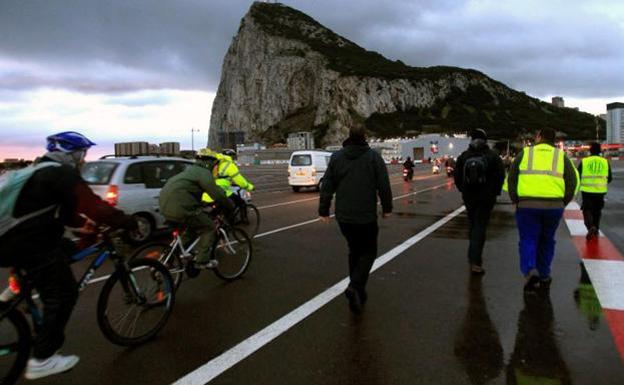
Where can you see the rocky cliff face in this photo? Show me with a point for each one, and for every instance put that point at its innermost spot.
(284, 72)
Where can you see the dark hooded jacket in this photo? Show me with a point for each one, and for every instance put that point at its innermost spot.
(357, 175)
(494, 178)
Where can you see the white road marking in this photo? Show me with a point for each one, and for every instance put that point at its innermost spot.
(244, 349)
(607, 277)
(287, 203)
(573, 206)
(577, 227)
(316, 219)
(316, 197)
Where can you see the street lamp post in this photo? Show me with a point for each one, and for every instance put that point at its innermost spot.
(193, 131)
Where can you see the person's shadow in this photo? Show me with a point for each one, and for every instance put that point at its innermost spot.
(536, 358)
(477, 344)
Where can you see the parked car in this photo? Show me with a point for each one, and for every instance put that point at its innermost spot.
(133, 185)
(306, 169)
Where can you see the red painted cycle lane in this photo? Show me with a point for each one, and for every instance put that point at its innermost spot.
(605, 266)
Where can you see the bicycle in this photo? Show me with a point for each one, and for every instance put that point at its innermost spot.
(231, 250)
(246, 215)
(141, 285)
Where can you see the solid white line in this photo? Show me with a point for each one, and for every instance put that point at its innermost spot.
(244, 349)
(331, 216)
(420, 191)
(573, 206)
(316, 198)
(607, 277)
(105, 277)
(287, 227)
(287, 203)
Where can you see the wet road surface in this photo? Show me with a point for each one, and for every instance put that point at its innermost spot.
(427, 321)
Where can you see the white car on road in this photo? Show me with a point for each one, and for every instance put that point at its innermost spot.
(133, 184)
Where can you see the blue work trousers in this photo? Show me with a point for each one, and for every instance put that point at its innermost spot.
(537, 228)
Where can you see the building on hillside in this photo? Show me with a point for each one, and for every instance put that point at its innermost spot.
(248, 153)
(145, 148)
(131, 148)
(300, 141)
(558, 101)
(615, 123)
(228, 139)
(421, 148)
(169, 148)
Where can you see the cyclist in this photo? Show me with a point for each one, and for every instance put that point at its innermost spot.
(181, 201)
(37, 245)
(225, 171)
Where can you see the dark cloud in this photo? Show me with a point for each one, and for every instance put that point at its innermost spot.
(119, 46)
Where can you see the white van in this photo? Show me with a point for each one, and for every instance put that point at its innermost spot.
(306, 168)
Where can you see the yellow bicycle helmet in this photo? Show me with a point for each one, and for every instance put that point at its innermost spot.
(206, 153)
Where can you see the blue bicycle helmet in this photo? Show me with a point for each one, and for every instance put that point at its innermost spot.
(68, 141)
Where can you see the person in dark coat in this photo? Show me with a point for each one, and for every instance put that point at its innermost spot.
(37, 245)
(357, 175)
(479, 195)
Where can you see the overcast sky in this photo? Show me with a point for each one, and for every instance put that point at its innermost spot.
(121, 70)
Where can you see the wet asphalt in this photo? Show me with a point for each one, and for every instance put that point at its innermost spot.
(427, 321)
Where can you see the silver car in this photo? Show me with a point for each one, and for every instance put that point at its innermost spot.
(133, 184)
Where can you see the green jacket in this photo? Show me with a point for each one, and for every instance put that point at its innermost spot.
(181, 196)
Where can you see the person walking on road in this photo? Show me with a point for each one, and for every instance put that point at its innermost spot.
(357, 175)
(479, 177)
(542, 181)
(595, 174)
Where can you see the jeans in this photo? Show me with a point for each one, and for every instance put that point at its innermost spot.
(537, 228)
(478, 216)
(592, 209)
(362, 242)
(53, 279)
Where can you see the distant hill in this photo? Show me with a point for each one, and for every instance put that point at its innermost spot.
(284, 72)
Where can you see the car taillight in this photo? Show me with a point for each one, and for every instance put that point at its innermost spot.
(112, 195)
(289, 170)
(313, 171)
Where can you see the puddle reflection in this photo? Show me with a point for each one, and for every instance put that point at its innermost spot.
(536, 358)
(477, 345)
(587, 300)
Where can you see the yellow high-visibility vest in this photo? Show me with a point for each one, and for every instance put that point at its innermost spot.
(595, 174)
(225, 185)
(541, 172)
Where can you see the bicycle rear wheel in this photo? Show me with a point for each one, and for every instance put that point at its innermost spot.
(15, 344)
(232, 249)
(249, 221)
(134, 305)
(162, 252)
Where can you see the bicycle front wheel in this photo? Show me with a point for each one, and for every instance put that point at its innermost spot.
(162, 252)
(232, 250)
(249, 220)
(134, 305)
(14, 346)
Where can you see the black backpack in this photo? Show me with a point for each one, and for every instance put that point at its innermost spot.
(475, 171)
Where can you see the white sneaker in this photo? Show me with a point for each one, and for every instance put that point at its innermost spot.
(211, 264)
(52, 365)
(7, 295)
